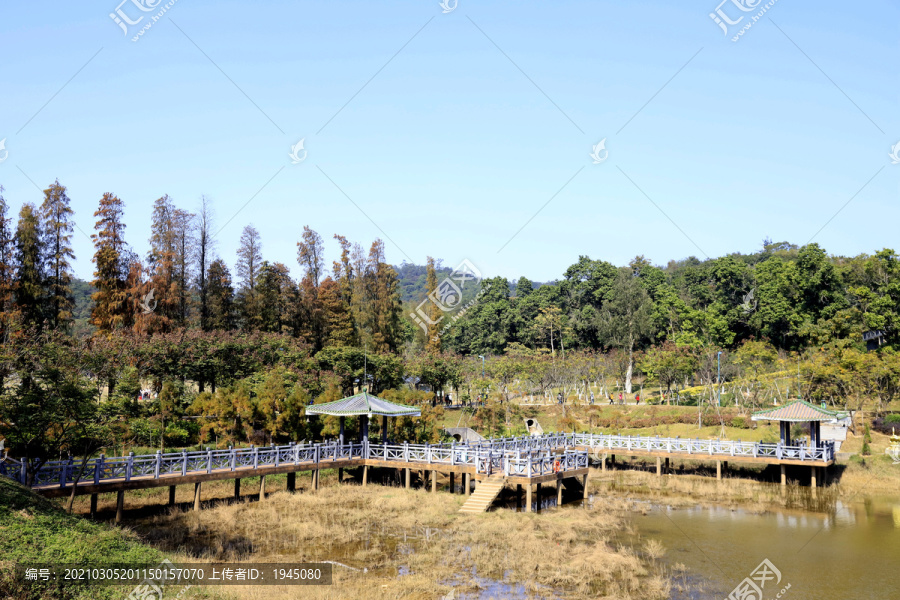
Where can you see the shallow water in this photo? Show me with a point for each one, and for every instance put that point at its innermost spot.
(850, 552)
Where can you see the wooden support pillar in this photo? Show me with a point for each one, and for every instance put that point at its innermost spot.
(812, 481)
(434, 482)
(658, 466)
(365, 475)
(783, 476)
(719, 470)
(292, 482)
(315, 479)
(528, 499)
(603, 464)
(340, 475)
(539, 490)
(559, 492)
(667, 466)
(584, 486)
(612, 460)
(824, 476)
(452, 477)
(93, 506)
(197, 495)
(237, 488)
(467, 484)
(408, 476)
(262, 487)
(120, 505)
(725, 466)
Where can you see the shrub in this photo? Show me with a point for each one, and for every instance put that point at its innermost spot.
(739, 422)
(866, 451)
(893, 418)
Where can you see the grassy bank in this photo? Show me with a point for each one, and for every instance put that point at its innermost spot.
(34, 530)
(399, 543)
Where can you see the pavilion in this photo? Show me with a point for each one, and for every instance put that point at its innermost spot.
(799, 411)
(363, 405)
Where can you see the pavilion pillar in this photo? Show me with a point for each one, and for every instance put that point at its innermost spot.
(384, 429)
(120, 505)
(658, 466)
(815, 433)
(467, 484)
(237, 488)
(408, 475)
(365, 475)
(434, 482)
(93, 506)
(292, 482)
(528, 499)
(365, 429)
(341, 434)
(783, 476)
(262, 487)
(197, 495)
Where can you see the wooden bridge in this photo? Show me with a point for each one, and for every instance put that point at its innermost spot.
(493, 463)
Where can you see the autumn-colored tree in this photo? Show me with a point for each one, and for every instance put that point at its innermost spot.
(56, 228)
(248, 264)
(162, 266)
(336, 315)
(277, 298)
(386, 329)
(111, 267)
(29, 278)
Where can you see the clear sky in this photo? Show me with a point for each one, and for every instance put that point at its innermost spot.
(445, 133)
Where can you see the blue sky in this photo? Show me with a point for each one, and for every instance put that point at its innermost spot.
(452, 131)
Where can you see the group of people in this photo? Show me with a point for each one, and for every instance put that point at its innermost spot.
(560, 399)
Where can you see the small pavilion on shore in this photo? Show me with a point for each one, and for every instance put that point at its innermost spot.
(363, 405)
(799, 411)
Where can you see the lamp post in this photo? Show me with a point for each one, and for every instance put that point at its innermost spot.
(718, 378)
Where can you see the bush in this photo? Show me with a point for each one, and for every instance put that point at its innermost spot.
(176, 435)
(893, 418)
(866, 451)
(739, 423)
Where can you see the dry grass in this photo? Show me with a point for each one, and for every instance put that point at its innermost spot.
(567, 553)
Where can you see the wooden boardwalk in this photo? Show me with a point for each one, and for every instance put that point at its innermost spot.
(522, 461)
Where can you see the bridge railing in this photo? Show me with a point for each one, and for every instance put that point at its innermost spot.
(493, 455)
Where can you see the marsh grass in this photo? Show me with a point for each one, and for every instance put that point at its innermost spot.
(569, 553)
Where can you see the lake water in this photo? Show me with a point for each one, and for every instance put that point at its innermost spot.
(849, 552)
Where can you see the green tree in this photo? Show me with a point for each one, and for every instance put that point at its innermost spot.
(56, 228)
(626, 318)
(29, 278)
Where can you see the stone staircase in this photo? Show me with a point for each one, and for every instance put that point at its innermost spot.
(485, 494)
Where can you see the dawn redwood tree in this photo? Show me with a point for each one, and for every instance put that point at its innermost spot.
(204, 246)
(56, 228)
(220, 296)
(432, 337)
(248, 265)
(29, 277)
(7, 269)
(111, 310)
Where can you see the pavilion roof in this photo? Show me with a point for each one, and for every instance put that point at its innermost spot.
(799, 411)
(363, 403)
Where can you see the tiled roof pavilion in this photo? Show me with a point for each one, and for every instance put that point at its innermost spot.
(798, 411)
(363, 403)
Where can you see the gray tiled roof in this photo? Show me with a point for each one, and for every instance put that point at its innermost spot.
(363, 403)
